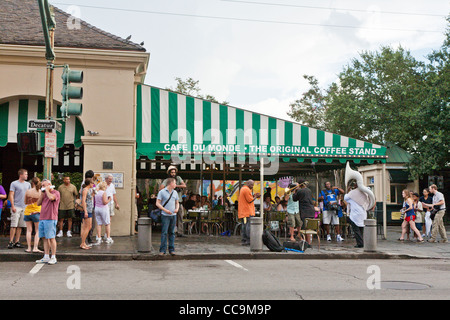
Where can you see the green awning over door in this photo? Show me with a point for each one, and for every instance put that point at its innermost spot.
(14, 117)
(170, 122)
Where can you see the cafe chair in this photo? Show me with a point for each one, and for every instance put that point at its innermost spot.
(191, 222)
(214, 221)
(312, 226)
(280, 218)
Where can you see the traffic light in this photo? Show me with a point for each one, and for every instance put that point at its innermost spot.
(68, 92)
(28, 142)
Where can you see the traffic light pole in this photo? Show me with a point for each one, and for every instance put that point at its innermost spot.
(48, 26)
(68, 108)
(49, 103)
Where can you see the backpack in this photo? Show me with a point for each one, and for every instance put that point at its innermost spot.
(271, 241)
(296, 246)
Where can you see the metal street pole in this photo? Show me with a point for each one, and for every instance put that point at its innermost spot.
(49, 105)
(383, 193)
(48, 26)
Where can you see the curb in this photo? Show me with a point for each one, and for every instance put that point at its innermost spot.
(20, 257)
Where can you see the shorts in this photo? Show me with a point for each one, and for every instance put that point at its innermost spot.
(410, 218)
(66, 214)
(330, 217)
(17, 218)
(32, 217)
(82, 215)
(111, 206)
(47, 229)
(294, 220)
(102, 216)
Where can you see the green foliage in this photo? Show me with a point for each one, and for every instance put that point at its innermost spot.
(76, 178)
(310, 108)
(388, 96)
(190, 87)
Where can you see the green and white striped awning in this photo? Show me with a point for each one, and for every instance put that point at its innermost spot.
(169, 122)
(14, 117)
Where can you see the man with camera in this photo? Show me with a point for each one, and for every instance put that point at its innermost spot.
(180, 185)
(331, 207)
(438, 208)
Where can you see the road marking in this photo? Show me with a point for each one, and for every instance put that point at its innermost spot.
(36, 268)
(234, 264)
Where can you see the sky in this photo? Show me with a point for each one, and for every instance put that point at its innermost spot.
(254, 53)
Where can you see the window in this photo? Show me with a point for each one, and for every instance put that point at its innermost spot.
(396, 193)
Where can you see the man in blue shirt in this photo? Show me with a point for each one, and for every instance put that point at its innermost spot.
(329, 196)
(167, 201)
(293, 211)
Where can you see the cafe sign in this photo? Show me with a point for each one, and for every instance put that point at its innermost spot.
(274, 150)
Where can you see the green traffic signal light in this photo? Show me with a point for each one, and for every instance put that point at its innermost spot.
(71, 109)
(74, 76)
(68, 92)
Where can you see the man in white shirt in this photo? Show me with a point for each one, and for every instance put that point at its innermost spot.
(438, 221)
(357, 202)
(111, 192)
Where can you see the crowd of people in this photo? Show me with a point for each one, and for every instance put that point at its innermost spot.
(40, 206)
(423, 215)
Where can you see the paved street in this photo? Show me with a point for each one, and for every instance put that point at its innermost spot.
(228, 279)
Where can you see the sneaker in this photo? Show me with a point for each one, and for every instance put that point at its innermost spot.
(18, 245)
(109, 241)
(60, 234)
(10, 245)
(69, 234)
(99, 242)
(339, 238)
(43, 260)
(328, 237)
(52, 261)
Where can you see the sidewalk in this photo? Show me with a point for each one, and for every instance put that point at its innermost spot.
(197, 247)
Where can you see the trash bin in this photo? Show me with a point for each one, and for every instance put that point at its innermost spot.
(370, 235)
(256, 231)
(144, 234)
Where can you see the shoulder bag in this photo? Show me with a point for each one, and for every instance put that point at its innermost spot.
(155, 215)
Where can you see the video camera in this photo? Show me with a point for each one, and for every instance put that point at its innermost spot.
(333, 206)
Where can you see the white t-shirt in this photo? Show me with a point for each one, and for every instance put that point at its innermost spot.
(357, 213)
(438, 196)
(110, 191)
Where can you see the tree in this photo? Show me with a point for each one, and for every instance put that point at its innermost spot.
(310, 109)
(387, 96)
(433, 151)
(377, 97)
(190, 87)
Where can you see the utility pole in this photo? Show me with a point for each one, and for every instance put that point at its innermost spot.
(48, 26)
